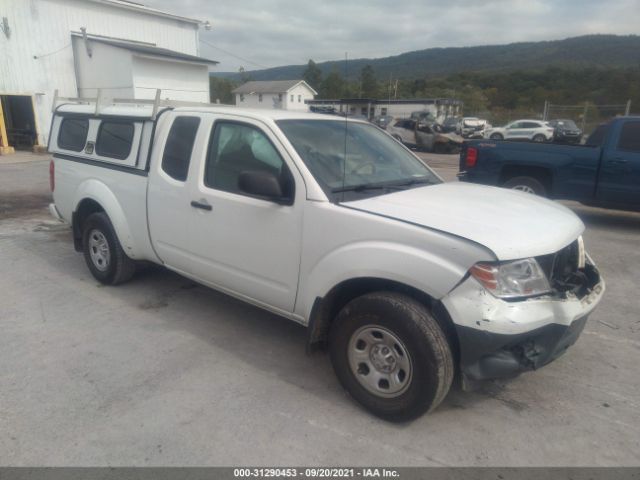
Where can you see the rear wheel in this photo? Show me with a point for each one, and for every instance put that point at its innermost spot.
(391, 355)
(526, 184)
(102, 251)
(496, 136)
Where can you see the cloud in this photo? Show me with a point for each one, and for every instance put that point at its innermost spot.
(270, 33)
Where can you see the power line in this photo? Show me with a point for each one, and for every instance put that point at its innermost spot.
(51, 53)
(233, 55)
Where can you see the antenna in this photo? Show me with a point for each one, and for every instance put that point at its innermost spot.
(344, 160)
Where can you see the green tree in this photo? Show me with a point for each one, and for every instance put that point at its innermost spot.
(313, 75)
(220, 90)
(368, 82)
(333, 86)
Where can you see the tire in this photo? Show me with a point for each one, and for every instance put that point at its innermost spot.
(496, 136)
(527, 185)
(382, 325)
(398, 138)
(539, 138)
(102, 251)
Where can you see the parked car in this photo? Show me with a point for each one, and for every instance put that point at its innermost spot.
(424, 116)
(330, 223)
(472, 127)
(604, 172)
(382, 121)
(423, 136)
(565, 131)
(533, 130)
(449, 125)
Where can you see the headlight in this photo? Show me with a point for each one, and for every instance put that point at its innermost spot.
(519, 278)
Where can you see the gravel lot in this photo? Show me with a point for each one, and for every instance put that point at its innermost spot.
(161, 371)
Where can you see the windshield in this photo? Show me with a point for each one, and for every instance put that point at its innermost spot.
(596, 139)
(375, 162)
(569, 124)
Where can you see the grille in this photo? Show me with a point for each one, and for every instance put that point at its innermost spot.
(562, 270)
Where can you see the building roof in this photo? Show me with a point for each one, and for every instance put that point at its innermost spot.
(146, 48)
(276, 86)
(139, 7)
(384, 101)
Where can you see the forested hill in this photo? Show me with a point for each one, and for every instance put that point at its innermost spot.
(608, 51)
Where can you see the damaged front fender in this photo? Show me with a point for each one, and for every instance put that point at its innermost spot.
(501, 338)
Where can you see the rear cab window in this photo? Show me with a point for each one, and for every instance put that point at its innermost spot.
(179, 146)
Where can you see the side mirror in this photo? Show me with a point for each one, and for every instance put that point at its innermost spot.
(262, 184)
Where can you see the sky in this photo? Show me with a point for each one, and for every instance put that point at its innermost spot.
(257, 34)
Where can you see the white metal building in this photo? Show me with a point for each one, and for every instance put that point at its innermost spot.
(439, 108)
(77, 46)
(278, 94)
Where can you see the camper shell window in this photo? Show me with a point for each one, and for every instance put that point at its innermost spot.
(115, 139)
(73, 134)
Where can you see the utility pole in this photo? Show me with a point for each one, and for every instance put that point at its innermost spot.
(627, 110)
(545, 113)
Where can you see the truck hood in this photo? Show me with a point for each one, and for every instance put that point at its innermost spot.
(510, 223)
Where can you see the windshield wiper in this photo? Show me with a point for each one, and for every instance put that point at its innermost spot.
(359, 188)
(383, 186)
(411, 182)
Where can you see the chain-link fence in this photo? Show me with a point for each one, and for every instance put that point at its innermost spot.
(502, 116)
(586, 116)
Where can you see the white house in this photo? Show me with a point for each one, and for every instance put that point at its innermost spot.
(78, 46)
(279, 94)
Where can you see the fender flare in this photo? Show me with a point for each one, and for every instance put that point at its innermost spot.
(420, 269)
(100, 193)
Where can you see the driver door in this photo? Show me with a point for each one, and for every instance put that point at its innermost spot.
(246, 245)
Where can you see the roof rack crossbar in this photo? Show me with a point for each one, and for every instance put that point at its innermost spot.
(156, 102)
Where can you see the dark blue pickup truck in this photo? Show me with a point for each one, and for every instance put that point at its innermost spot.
(604, 172)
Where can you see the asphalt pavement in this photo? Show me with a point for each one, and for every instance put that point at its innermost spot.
(161, 371)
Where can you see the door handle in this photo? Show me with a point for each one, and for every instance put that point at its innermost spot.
(203, 206)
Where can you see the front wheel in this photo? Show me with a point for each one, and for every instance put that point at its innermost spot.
(539, 138)
(391, 355)
(102, 251)
(496, 136)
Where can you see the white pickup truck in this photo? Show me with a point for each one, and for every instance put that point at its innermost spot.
(333, 224)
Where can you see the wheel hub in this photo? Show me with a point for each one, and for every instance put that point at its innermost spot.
(99, 250)
(382, 358)
(379, 361)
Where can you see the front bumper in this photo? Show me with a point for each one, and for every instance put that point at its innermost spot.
(501, 339)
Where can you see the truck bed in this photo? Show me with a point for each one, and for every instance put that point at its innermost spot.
(570, 171)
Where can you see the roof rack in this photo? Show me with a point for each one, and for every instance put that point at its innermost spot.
(100, 102)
